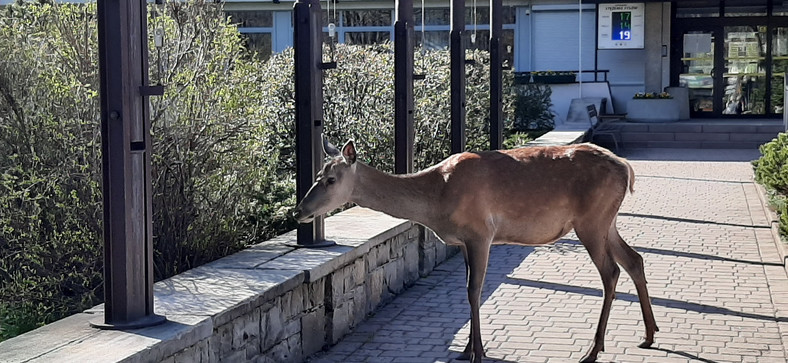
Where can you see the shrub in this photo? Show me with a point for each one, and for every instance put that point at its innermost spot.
(358, 103)
(532, 108)
(216, 188)
(771, 170)
(50, 206)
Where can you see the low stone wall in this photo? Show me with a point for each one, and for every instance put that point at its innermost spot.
(269, 303)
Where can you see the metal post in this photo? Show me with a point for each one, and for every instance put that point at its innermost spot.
(126, 145)
(457, 56)
(403, 87)
(496, 75)
(307, 40)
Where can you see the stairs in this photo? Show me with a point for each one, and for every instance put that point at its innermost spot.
(696, 134)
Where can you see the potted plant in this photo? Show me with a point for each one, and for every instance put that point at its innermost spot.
(652, 107)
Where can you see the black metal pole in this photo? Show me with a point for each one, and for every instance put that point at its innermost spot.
(457, 55)
(403, 88)
(307, 42)
(496, 75)
(125, 144)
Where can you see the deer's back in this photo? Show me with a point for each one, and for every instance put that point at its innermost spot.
(546, 186)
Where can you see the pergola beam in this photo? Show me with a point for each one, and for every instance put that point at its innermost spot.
(457, 59)
(126, 145)
(307, 42)
(496, 75)
(403, 87)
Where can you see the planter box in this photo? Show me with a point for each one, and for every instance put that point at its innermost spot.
(568, 78)
(653, 110)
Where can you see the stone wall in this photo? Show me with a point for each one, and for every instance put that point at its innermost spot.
(269, 303)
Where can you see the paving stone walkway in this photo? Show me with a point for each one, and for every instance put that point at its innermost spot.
(718, 289)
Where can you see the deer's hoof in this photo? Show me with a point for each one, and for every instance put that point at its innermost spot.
(467, 356)
(646, 343)
(591, 355)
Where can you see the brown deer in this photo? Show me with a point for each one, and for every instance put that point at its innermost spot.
(527, 196)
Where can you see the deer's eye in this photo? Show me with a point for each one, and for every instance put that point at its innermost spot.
(331, 181)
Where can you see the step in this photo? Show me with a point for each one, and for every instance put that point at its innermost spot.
(689, 144)
(697, 137)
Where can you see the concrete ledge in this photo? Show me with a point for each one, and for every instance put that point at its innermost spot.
(269, 303)
(774, 225)
(565, 134)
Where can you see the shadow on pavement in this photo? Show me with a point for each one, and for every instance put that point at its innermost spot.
(670, 303)
(565, 246)
(702, 256)
(684, 354)
(735, 155)
(689, 220)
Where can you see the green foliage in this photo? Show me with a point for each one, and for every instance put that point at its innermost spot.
(771, 170)
(50, 206)
(532, 108)
(358, 103)
(216, 188)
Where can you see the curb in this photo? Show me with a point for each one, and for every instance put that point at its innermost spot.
(774, 224)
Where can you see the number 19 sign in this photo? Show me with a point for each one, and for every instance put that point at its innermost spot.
(620, 26)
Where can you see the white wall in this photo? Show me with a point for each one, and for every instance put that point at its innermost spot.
(557, 41)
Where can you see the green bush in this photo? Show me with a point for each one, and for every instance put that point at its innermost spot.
(50, 201)
(358, 103)
(532, 108)
(771, 170)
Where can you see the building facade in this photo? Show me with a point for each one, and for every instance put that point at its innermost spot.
(731, 54)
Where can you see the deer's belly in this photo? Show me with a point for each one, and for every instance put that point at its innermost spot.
(531, 235)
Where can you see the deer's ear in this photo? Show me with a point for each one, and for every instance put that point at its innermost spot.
(349, 152)
(328, 148)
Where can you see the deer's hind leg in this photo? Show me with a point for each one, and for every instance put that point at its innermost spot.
(602, 256)
(632, 263)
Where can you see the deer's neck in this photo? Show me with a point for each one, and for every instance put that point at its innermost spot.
(409, 196)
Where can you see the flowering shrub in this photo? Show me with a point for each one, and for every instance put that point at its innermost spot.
(652, 95)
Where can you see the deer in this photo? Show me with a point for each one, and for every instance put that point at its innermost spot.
(526, 196)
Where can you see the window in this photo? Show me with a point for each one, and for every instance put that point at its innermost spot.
(251, 19)
(367, 37)
(745, 8)
(257, 27)
(697, 8)
(259, 43)
(367, 18)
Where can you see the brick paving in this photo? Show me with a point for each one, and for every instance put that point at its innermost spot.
(719, 291)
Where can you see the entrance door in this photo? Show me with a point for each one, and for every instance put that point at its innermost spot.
(698, 67)
(725, 69)
(744, 70)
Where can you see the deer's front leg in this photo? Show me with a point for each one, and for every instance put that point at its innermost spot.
(476, 257)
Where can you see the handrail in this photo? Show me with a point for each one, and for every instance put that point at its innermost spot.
(596, 73)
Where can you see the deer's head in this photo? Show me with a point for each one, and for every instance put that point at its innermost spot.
(333, 185)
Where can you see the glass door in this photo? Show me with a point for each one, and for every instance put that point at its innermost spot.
(744, 70)
(779, 67)
(697, 70)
